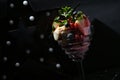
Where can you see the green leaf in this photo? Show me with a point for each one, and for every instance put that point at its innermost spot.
(57, 19)
(79, 15)
(64, 22)
(65, 11)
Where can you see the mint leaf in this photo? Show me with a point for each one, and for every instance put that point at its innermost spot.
(65, 11)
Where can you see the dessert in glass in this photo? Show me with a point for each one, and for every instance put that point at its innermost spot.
(72, 31)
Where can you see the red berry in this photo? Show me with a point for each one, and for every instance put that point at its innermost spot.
(71, 25)
(86, 22)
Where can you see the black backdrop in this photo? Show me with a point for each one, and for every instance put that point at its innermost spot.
(102, 58)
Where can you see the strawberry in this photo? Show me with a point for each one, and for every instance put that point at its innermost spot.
(77, 24)
(71, 25)
(86, 21)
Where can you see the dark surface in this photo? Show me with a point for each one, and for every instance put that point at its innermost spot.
(101, 61)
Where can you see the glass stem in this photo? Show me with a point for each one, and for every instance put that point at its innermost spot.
(81, 69)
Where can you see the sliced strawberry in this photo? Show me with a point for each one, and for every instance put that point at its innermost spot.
(77, 24)
(71, 25)
(83, 25)
(86, 21)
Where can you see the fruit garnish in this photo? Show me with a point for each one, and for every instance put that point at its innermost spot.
(68, 20)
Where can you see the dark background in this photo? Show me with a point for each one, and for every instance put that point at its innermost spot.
(101, 61)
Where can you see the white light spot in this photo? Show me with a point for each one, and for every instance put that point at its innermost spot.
(8, 43)
(58, 65)
(47, 13)
(12, 5)
(11, 22)
(31, 18)
(50, 49)
(73, 60)
(116, 75)
(4, 77)
(41, 59)
(28, 51)
(17, 64)
(25, 3)
(74, 12)
(5, 58)
(42, 36)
